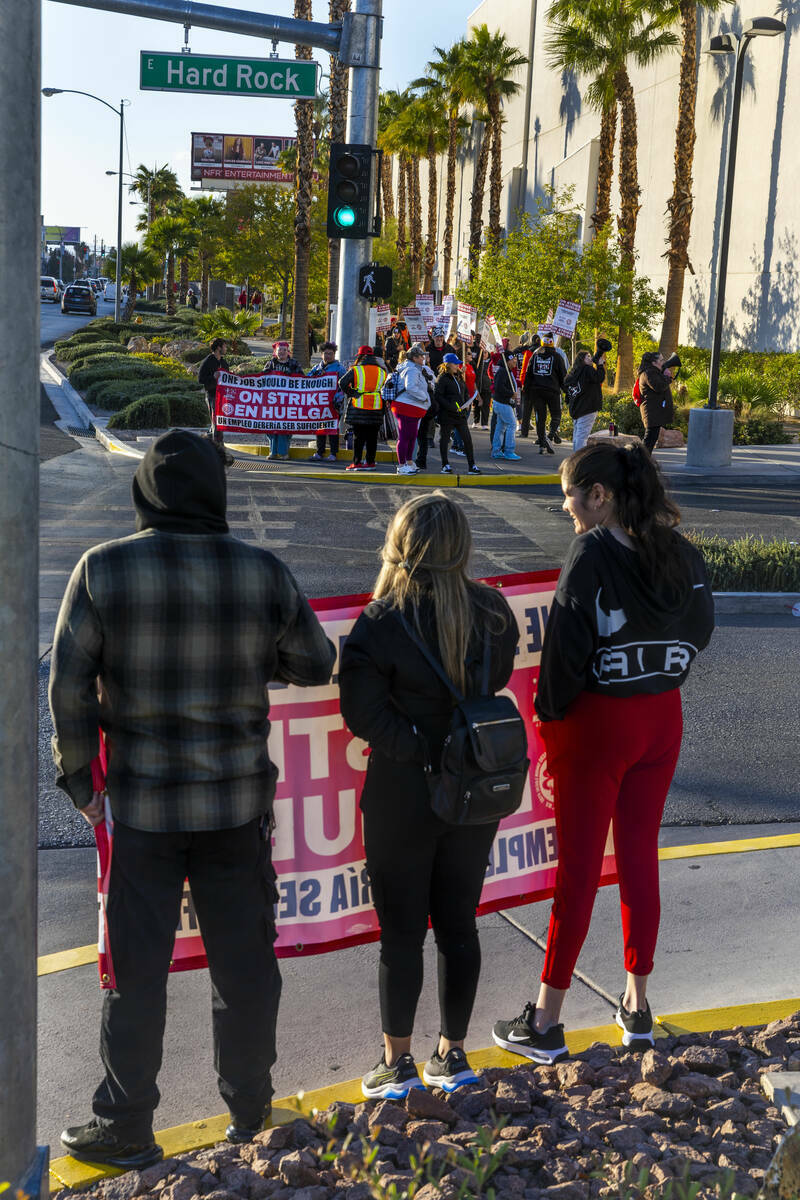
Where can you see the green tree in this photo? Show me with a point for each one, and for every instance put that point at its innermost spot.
(428, 116)
(304, 185)
(487, 68)
(390, 106)
(597, 40)
(206, 216)
(156, 189)
(170, 238)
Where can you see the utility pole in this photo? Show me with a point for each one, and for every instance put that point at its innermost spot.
(22, 1164)
(352, 311)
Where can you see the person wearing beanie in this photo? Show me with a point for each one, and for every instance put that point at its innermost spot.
(437, 347)
(411, 403)
(545, 374)
(329, 365)
(281, 364)
(184, 627)
(363, 387)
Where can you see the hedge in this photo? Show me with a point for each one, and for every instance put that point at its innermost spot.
(86, 362)
(749, 564)
(171, 366)
(188, 408)
(149, 412)
(85, 350)
(116, 394)
(113, 370)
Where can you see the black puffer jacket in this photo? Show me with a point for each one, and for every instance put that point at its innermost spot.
(387, 690)
(657, 407)
(450, 394)
(584, 389)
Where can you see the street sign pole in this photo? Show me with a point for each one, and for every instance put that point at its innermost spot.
(362, 126)
(22, 1165)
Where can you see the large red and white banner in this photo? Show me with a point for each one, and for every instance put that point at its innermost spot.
(317, 846)
(276, 403)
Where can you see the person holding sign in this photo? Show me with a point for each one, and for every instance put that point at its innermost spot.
(421, 868)
(632, 609)
(281, 364)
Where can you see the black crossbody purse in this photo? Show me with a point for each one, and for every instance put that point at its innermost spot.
(485, 754)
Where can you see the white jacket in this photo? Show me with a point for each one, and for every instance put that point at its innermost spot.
(412, 389)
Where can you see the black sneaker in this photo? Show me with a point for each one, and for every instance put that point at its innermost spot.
(554, 438)
(239, 1132)
(546, 447)
(96, 1143)
(637, 1027)
(520, 1037)
(475, 470)
(447, 469)
(450, 1072)
(391, 1083)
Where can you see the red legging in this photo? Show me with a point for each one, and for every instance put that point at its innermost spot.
(612, 761)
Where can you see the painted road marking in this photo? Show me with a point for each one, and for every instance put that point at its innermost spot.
(196, 1135)
(64, 960)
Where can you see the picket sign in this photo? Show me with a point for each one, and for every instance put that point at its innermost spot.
(276, 403)
(565, 321)
(467, 316)
(415, 323)
(324, 899)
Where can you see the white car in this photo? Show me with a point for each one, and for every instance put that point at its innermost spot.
(49, 289)
(110, 292)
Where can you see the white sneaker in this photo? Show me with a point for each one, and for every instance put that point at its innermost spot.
(403, 469)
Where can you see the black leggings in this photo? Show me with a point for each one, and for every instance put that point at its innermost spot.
(651, 436)
(365, 437)
(334, 440)
(448, 423)
(544, 402)
(420, 868)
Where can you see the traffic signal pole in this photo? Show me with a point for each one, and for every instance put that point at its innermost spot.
(352, 310)
(22, 1165)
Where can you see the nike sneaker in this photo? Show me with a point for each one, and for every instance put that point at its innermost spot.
(394, 1082)
(520, 1037)
(637, 1027)
(448, 1072)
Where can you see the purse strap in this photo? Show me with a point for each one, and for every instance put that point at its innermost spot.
(437, 666)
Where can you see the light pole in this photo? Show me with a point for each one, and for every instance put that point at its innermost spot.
(120, 112)
(711, 428)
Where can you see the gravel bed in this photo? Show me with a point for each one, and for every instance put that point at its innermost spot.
(691, 1110)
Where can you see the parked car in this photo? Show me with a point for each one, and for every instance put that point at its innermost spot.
(110, 292)
(49, 289)
(79, 297)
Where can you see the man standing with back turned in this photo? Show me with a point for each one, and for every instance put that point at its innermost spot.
(168, 639)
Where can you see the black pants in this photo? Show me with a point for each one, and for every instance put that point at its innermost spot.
(334, 440)
(544, 402)
(426, 428)
(217, 433)
(233, 890)
(449, 423)
(480, 409)
(420, 868)
(365, 437)
(651, 436)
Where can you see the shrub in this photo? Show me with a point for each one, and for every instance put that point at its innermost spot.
(150, 306)
(745, 390)
(149, 412)
(86, 350)
(251, 364)
(106, 359)
(197, 355)
(759, 431)
(231, 326)
(114, 370)
(188, 408)
(172, 366)
(749, 564)
(115, 394)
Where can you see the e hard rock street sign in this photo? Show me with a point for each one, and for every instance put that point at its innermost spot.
(290, 78)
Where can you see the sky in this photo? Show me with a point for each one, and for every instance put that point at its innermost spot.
(98, 52)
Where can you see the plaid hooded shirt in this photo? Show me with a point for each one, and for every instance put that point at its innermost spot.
(184, 631)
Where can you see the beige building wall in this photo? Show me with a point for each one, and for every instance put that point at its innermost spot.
(763, 291)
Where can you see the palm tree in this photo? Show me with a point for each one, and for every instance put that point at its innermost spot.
(445, 72)
(337, 109)
(139, 267)
(205, 215)
(408, 134)
(390, 106)
(488, 64)
(597, 40)
(171, 238)
(304, 184)
(156, 188)
(681, 202)
(428, 112)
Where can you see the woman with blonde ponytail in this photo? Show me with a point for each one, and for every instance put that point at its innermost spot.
(420, 868)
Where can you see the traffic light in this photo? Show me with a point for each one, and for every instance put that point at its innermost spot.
(350, 191)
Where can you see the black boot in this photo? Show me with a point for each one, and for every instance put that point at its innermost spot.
(96, 1143)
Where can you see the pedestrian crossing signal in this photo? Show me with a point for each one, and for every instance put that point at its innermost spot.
(350, 190)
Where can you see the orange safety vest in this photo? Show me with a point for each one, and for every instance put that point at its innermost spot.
(370, 379)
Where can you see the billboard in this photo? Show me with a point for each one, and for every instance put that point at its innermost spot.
(55, 234)
(241, 158)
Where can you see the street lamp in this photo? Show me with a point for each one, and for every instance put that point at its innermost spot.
(120, 112)
(711, 429)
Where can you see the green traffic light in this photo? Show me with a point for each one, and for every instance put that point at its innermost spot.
(345, 217)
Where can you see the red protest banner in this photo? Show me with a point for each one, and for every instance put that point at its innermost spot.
(324, 901)
(276, 403)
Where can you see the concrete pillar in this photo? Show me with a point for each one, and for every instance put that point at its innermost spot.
(21, 1164)
(710, 439)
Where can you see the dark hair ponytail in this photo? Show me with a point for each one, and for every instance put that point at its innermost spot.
(645, 511)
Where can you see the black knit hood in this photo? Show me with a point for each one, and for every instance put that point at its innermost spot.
(180, 487)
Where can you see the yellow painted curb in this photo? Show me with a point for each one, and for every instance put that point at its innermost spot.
(300, 454)
(67, 1172)
(740, 846)
(63, 960)
(422, 477)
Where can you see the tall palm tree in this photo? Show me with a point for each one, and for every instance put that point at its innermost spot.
(445, 74)
(139, 266)
(205, 215)
(488, 65)
(429, 113)
(681, 202)
(156, 188)
(597, 40)
(304, 182)
(337, 109)
(390, 106)
(409, 135)
(170, 238)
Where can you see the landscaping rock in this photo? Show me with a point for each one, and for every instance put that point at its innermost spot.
(655, 1068)
(421, 1103)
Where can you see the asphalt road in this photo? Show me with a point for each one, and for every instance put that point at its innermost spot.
(53, 324)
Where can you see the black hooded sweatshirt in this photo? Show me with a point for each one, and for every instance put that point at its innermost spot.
(545, 372)
(612, 633)
(584, 389)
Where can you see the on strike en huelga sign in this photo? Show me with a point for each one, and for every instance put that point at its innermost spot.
(285, 403)
(383, 318)
(466, 319)
(324, 901)
(566, 318)
(415, 323)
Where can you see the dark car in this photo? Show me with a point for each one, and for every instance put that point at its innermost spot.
(79, 297)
